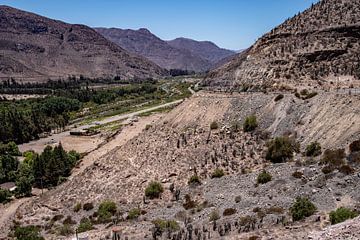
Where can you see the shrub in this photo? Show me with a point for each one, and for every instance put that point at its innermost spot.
(279, 97)
(218, 173)
(147, 127)
(355, 146)
(214, 215)
(214, 125)
(65, 230)
(194, 180)
(134, 213)
(275, 210)
(264, 177)
(238, 199)
(297, 174)
(154, 190)
(4, 195)
(346, 169)
(313, 149)
(310, 95)
(250, 123)
(77, 207)
(342, 214)
(229, 212)
(302, 208)
(28, 233)
(189, 204)
(166, 225)
(247, 220)
(85, 225)
(327, 169)
(68, 220)
(304, 92)
(88, 206)
(106, 210)
(280, 149)
(333, 158)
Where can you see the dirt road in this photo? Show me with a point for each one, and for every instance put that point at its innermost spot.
(39, 145)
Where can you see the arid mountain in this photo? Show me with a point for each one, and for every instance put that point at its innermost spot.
(169, 55)
(207, 50)
(35, 48)
(319, 47)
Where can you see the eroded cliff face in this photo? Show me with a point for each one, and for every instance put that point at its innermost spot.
(319, 48)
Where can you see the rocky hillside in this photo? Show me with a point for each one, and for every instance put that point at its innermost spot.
(188, 55)
(319, 47)
(182, 145)
(35, 48)
(205, 49)
(146, 44)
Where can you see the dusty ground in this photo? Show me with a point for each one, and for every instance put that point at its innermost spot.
(181, 143)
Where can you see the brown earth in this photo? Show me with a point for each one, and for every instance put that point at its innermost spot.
(35, 48)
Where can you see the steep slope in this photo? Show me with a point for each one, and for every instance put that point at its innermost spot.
(181, 145)
(207, 50)
(36, 48)
(319, 47)
(146, 44)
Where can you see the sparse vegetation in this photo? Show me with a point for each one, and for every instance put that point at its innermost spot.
(65, 230)
(134, 213)
(106, 210)
(77, 207)
(28, 233)
(313, 149)
(333, 158)
(85, 225)
(189, 203)
(297, 174)
(280, 149)
(302, 208)
(229, 211)
(355, 146)
(214, 215)
(250, 124)
(218, 173)
(166, 225)
(264, 177)
(88, 206)
(194, 180)
(342, 214)
(279, 97)
(154, 190)
(214, 125)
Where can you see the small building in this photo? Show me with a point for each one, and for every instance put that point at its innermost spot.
(11, 186)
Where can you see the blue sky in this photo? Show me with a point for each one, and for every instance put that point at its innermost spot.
(232, 24)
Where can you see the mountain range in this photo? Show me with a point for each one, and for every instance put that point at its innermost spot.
(180, 53)
(35, 48)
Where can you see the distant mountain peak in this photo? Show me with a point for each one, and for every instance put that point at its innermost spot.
(36, 48)
(165, 53)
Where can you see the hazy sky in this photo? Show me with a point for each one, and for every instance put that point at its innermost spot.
(232, 24)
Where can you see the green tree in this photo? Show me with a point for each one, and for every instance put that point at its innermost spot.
(302, 208)
(342, 214)
(24, 180)
(4, 195)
